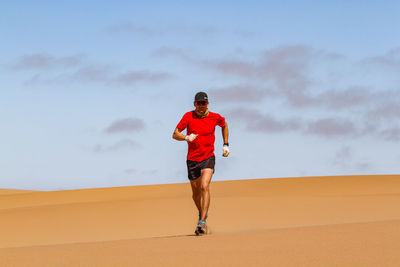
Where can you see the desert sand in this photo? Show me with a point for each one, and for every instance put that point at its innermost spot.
(309, 221)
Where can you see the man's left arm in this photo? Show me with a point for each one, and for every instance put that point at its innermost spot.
(225, 136)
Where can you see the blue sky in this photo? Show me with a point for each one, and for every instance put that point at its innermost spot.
(91, 92)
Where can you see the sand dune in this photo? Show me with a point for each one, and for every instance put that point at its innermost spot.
(314, 221)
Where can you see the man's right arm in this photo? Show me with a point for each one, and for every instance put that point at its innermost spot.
(177, 135)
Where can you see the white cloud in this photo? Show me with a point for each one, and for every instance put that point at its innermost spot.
(127, 125)
(42, 61)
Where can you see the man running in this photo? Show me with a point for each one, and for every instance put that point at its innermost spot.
(200, 124)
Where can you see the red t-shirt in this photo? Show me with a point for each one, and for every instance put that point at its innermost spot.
(203, 146)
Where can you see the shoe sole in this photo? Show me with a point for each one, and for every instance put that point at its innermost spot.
(200, 231)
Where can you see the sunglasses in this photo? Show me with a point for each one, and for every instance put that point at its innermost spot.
(201, 103)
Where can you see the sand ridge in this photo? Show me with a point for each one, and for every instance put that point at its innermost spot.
(14, 191)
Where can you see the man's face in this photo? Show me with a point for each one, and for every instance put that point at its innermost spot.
(201, 106)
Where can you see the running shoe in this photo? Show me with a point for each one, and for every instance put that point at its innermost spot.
(201, 228)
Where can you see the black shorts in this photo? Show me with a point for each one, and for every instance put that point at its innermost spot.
(195, 167)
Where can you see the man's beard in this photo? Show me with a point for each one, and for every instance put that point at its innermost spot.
(201, 114)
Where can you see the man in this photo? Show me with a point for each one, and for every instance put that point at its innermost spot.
(200, 124)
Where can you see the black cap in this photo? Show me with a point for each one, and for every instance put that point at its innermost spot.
(201, 96)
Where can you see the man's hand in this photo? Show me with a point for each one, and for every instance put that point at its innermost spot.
(191, 137)
(225, 150)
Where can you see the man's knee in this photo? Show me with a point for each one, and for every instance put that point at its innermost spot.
(204, 187)
(196, 190)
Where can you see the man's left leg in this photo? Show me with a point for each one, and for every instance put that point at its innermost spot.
(205, 179)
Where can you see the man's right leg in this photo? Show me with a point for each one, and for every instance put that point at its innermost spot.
(196, 190)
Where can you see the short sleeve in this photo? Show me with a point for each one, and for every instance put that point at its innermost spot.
(183, 123)
(220, 121)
